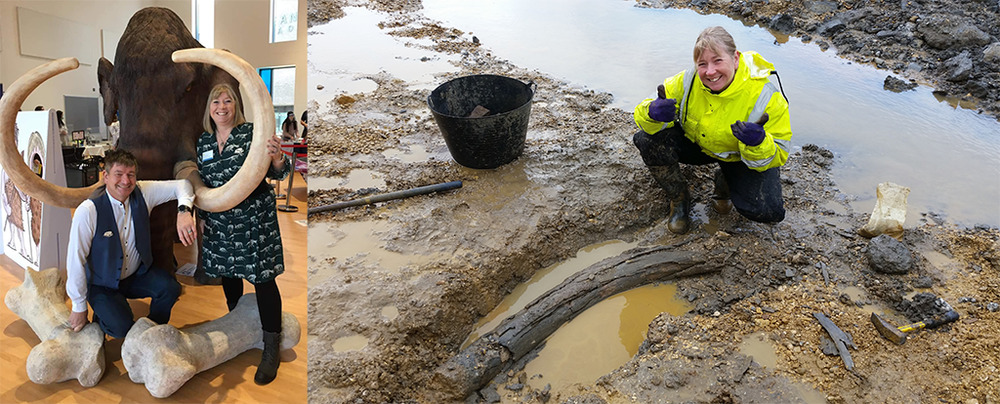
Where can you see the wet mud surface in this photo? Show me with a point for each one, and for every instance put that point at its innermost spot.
(580, 181)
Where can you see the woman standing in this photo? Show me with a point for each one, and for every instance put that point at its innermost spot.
(243, 242)
(289, 128)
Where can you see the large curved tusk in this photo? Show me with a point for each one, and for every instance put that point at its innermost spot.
(10, 158)
(255, 166)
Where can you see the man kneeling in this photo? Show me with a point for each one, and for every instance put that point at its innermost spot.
(109, 257)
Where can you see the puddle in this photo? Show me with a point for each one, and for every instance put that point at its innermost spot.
(941, 263)
(610, 333)
(331, 241)
(355, 180)
(543, 281)
(362, 48)
(858, 295)
(834, 103)
(390, 312)
(760, 348)
(416, 154)
(350, 343)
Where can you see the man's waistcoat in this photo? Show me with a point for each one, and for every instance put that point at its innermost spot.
(106, 256)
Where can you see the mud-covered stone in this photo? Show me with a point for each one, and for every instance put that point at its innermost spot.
(821, 7)
(889, 256)
(783, 23)
(948, 33)
(991, 53)
(831, 27)
(960, 67)
(896, 85)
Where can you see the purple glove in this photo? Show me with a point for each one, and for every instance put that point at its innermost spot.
(663, 110)
(751, 134)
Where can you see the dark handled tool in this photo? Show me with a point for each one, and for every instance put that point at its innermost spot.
(898, 334)
(388, 196)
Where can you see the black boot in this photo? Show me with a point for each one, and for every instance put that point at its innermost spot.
(679, 219)
(269, 361)
(670, 179)
(720, 199)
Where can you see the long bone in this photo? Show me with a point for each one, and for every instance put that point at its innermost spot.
(63, 354)
(164, 357)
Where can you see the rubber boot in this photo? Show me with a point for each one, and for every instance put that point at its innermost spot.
(720, 199)
(269, 360)
(670, 179)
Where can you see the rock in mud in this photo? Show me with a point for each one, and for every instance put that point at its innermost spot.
(960, 67)
(889, 256)
(783, 23)
(821, 7)
(831, 27)
(923, 306)
(948, 33)
(589, 398)
(991, 53)
(896, 85)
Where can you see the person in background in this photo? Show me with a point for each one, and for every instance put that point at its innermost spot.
(109, 256)
(64, 136)
(113, 131)
(305, 127)
(725, 111)
(243, 242)
(289, 128)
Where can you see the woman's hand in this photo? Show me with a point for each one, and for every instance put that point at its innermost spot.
(274, 151)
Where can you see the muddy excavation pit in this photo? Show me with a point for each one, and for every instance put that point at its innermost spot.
(396, 288)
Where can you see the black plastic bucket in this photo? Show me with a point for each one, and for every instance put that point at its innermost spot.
(488, 141)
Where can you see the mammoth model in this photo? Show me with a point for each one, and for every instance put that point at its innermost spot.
(159, 87)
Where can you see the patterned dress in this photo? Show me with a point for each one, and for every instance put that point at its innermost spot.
(243, 242)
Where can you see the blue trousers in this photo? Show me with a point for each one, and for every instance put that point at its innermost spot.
(111, 309)
(756, 195)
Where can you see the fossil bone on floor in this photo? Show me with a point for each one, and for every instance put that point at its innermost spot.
(164, 357)
(62, 355)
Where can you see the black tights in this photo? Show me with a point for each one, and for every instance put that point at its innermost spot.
(268, 301)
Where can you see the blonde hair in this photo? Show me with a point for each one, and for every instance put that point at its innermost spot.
(716, 39)
(207, 122)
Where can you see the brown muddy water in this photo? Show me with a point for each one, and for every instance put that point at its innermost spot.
(948, 156)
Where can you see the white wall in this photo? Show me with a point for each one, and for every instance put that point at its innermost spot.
(241, 26)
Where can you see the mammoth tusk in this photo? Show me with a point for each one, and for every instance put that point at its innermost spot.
(252, 172)
(10, 158)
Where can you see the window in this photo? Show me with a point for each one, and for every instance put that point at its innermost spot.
(284, 20)
(280, 82)
(203, 22)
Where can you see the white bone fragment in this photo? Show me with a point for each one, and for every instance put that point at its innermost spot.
(63, 354)
(164, 357)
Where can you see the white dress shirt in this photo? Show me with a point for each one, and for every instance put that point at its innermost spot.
(81, 233)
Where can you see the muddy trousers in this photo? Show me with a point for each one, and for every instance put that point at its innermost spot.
(268, 301)
(755, 195)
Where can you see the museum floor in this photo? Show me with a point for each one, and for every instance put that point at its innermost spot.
(231, 381)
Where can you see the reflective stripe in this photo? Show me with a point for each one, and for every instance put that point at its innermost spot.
(759, 163)
(725, 155)
(783, 144)
(762, 100)
(689, 76)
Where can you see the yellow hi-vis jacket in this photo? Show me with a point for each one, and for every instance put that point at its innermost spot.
(706, 117)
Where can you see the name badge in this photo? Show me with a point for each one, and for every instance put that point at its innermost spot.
(207, 155)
